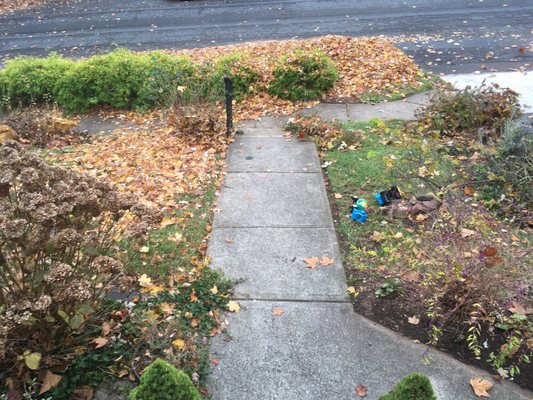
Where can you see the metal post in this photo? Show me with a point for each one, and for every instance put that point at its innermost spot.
(229, 105)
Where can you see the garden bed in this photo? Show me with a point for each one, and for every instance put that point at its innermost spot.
(432, 276)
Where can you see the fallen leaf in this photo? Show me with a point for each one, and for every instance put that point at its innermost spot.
(32, 360)
(311, 262)
(144, 249)
(467, 232)
(230, 241)
(351, 290)
(86, 392)
(518, 309)
(469, 190)
(215, 361)
(325, 261)
(50, 381)
(106, 328)
(277, 311)
(233, 306)
(338, 196)
(361, 390)
(421, 217)
(481, 387)
(193, 296)
(414, 320)
(144, 280)
(179, 343)
(100, 342)
(489, 252)
(214, 290)
(166, 308)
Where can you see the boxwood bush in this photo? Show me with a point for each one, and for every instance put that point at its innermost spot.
(411, 387)
(122, 80)
(26, 80)
(161, 381)
(303, 76)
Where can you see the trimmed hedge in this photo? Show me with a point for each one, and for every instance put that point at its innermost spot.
(123, 80)
(27, 80)
(161, 381)
(411, 387)
(303, 76)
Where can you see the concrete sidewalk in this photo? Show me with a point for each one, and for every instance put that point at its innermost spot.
(274, 213)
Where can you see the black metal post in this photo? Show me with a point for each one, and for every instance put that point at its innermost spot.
(229, 105)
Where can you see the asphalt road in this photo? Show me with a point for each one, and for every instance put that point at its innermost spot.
(449, 35)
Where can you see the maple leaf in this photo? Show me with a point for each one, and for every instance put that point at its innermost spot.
(106, 328)
(100, 342)
(193, 296)
(50, 381)
(214, 290)
(166, 308)
(144, 281)
(277, 311)
(311, 262)
(414, 320)
(361, 390)
(178, 343)
(481, 387)
(325, 261)
(233, 306)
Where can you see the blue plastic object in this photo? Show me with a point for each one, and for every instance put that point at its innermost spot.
(379, 199)
(359, 215)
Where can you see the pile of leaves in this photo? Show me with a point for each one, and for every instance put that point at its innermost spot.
(365, 65)
(325, 134)
(40, 126)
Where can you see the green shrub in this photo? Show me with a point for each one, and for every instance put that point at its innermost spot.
(505, 180)
(123, 80)
(411, 387)
(161, 381)
(481, 111)
(26, 80)
(303, 76)
(234, 66)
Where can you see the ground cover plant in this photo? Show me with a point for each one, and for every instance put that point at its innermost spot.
(453, 272)
(414, 386)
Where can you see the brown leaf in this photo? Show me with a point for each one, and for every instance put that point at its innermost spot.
(311, 262)
(83, 393)
(489, 251)
(361, 390)
(325, 261)
(469, 190)
(50, 381)
(481, 387)
(278, 311)
(106, 328)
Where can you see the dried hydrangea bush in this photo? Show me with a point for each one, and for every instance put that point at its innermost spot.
(58, 229)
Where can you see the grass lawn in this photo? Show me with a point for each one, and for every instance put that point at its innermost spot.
(456, 276)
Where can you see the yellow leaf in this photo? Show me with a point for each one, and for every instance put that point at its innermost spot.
(338, 196)
(144, 280)
(144, 249)
(214, 290)
(233, 306)
(166, 308)
(179, 343)
(32, 360)
(152, 316)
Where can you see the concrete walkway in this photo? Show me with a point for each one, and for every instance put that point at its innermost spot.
(296, 335)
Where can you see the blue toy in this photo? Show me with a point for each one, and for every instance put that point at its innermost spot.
(359, 213)
(385, 197)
